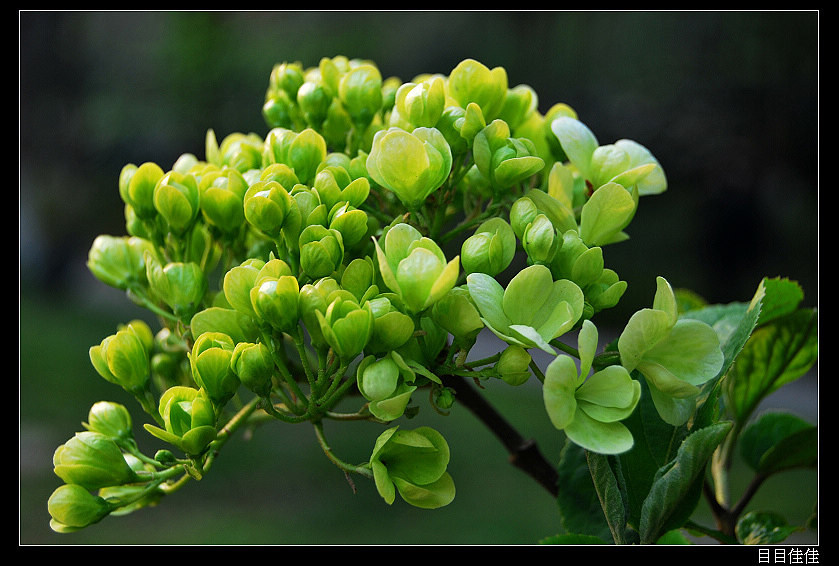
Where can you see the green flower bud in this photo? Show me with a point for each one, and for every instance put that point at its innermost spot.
(449, 124)
(588, 408)
(540, 240)
(359, 277)
(142, 330)
(391, 327)
(210, 361)
(520, 102)
(413, 463)
(137, 188)
(280, 173)
(415, 268)
(321, 250)
(177, 199)
(254, 365)
(421, 105)
(316, 297)
(239, 151)
(189, 419)
(351, 222)
(287, 77)
(606, 291)
(314, 100)
(119, 261)
(514, 365)
(522, 213)
(333, 185)
(111, 420)
(92, 460)
(471, 81)
(410, 164)
(279, 110)
(275, 301)
(303, 152)
(457, 314)
(533, 309)
(675, 356)
(360, 91)
(490, 249)
(238, 282)
(123, 359)
(386, 383)
(504, 160)
(222, 196)
(73, 507)
(346, 326)
(179, 285)
(266, 206)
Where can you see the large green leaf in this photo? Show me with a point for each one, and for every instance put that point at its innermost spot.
(777, 441)
(677, 486)
(579, 505)
(776, 354)
(608, 483)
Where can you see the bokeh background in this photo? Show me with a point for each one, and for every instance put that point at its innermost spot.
(727, 101)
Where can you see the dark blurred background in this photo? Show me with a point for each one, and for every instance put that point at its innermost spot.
(727, 101)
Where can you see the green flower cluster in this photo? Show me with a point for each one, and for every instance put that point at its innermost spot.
(360, 247)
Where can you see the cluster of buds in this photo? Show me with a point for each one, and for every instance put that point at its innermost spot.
(334, 243)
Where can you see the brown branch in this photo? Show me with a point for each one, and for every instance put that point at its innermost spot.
(524, 453)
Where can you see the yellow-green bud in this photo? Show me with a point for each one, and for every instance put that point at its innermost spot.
(92, 460)
(254, 365)
(514, 365)
(73, 507)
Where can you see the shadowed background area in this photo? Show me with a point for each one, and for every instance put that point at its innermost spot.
(728, 103)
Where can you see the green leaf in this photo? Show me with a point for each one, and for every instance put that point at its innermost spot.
(762, 527)
(579, 507)
(677, 486)
(776, 354)
(782, 297)
(655, 444)
(612, 498)
(778, 441)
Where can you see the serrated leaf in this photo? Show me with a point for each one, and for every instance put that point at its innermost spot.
(677, 486)
(775, 354)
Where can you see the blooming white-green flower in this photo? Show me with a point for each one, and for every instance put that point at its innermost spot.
(414, 267)
(589, 408)
(533, 309)
(674, 355)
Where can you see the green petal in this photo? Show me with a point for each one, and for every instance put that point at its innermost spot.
(605, 214)
(429, 496)
(603, 438)
(691, 352)
(416, 275)
(488, 295)
(644, 329)
(610, 387)
(577, 141)
(525, 296)
(558, 391)
(530, 338)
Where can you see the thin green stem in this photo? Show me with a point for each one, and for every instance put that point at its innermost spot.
(346, 467)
